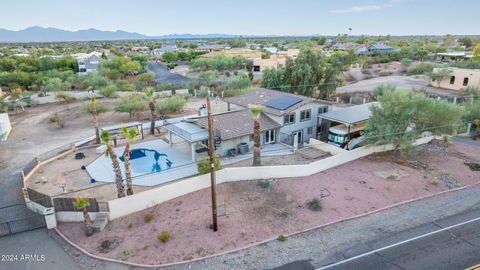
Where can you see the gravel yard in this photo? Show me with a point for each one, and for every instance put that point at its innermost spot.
(249, 213)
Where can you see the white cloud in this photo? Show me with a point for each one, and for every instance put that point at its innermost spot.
(360, 9)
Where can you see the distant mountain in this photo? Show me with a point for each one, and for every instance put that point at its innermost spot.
(41, 34)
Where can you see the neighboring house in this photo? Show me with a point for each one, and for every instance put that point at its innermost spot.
(453, 56)
(345, 46)
(88, 64)
(459, 79)
(212, 48)
(375, 49)
(167, 48)
(296, 114)
(247, 53)
(275, 61)
(272, 50)
(140, 49)
(5, 126)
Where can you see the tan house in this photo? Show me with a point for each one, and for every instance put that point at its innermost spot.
(460, 78)
(247, 53)
(275, 61)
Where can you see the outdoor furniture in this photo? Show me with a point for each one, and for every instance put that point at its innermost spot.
(101, 149)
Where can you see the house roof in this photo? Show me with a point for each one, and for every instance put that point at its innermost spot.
(350, 115)
(260, 96)
(235, 124)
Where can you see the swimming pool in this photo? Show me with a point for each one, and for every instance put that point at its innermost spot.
(143, 160)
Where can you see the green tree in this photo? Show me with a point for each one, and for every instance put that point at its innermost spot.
(131, 104)
(129, 134)
(472, 116)
(83, 204)
(170, 104)
(146, 79)
(95, 108)
(108, 91)
(256, 112)
(124, 86)
(403, 115)
(110, 152)
(439, 74)
(55, 84)
(273, 78)
(476, 52)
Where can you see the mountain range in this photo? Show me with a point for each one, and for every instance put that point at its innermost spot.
(42, 34)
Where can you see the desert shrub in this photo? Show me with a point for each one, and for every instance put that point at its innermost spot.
(133, 104)
(170, 104)
(228, 74)
(203, 92)
(203, 165)
(130, 225)
(423, 68)
(148, 217)
(171, 65)
(282, 238)
(265, 183)
(235, 73)
(55, 118)
(64, 96)
(445, 139)
(124, 86)
(166, 86)
(108, 91)
(384, 73)
(164, 236)
(406, 62)
(314, 204)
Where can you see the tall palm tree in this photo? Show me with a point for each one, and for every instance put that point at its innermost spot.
(130, 134)
(83, 203)
(105, 137)
(151, 104)
(256, 111)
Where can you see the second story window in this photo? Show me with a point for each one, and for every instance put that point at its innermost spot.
(305, 115)
(452, 80)
(289, 119)
(465, 81)
(322, 109)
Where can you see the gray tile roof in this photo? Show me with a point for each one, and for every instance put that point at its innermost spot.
(261, 95)
(236, 124)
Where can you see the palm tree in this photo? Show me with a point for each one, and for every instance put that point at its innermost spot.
(83, 203)
(256, 111)
(105, 137)
(350, 31)
(151, 104)
(130, 134)
(94, 108)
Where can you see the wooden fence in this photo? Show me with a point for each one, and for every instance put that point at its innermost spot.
(39, 197)
(67, 204)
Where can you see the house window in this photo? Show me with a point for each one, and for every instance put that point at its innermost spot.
(322, 109)
(452, 80)
(305, 115)
(270, 136)
(289, 119)
(465, 81)
(251, 137)
(310, 130)
(256, 68)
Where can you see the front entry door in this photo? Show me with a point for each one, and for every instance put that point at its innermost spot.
(299, 137)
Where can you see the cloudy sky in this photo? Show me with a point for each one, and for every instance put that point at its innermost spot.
(248, 17)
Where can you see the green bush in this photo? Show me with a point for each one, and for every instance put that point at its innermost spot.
(133, 104)
(265, 183)
(314, 204)
(164, 236)
(108, 91)
(282, 238)
(64, 96)
(203, 165)
(124, 86)
(170, 104)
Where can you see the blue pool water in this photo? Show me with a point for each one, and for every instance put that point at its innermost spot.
(144, 160)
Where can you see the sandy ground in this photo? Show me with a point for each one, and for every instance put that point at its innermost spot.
(250, 213)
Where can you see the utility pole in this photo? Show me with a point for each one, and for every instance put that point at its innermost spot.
(211, 152)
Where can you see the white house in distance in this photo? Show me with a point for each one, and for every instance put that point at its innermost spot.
(5, 126)
(88, 62)
(285, 116)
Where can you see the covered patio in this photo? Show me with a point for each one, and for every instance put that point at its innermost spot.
(191, 133)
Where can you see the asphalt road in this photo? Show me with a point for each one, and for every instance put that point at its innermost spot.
(466, 141)
(440, 244)
(163, 75)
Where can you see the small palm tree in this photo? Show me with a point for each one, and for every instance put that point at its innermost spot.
(105, 137)
(151, 104)
(130, 134)
(256, 111)
(83, 203)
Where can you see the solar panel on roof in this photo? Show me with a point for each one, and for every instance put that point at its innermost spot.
(282, 102)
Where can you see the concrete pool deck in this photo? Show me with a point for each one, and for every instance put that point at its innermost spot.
(101, 168)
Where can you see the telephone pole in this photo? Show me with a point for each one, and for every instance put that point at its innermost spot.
(211, 152)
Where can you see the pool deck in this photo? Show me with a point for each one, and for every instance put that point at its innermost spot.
(101, 168)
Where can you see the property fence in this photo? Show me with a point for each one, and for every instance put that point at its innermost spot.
(22, 225)
(140, 201)
(67, 204)
(39, 197)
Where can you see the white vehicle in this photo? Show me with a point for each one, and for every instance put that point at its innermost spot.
(341, 135)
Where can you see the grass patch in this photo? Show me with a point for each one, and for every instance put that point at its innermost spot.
(282, 238)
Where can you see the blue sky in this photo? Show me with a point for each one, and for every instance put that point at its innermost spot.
(248, 17)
